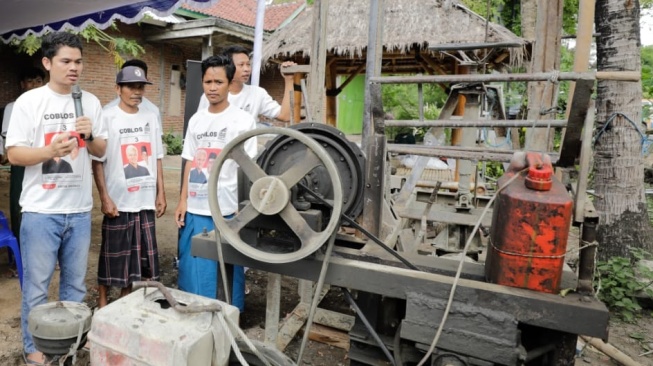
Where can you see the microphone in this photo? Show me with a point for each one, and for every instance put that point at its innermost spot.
(77, 100)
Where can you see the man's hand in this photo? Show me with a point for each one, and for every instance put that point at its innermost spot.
(109, 208)
(283, 66)
(84, 126)
(161, 205)
(62, 145)
(180, 213)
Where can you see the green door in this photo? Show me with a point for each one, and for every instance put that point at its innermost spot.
(351, 103)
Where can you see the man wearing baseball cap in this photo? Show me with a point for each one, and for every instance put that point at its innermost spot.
(130, 202)
(146, 103)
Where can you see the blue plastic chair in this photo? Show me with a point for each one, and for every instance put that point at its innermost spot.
(7, 239)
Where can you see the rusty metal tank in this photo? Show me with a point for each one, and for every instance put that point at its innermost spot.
(530, 226)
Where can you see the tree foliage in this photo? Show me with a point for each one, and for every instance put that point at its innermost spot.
(647, 71)
(507, 13)
(401, 101)
(116, 47)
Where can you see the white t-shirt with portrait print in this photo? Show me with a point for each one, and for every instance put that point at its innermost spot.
(130, 133)
(38, 116)
(212, 132)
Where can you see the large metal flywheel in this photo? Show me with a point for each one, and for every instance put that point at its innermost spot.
(271, 195)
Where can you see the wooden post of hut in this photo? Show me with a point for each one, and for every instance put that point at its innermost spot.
(546, 58)
(331, 92)
(297, 98)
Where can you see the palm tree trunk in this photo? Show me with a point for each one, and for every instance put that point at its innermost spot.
(528, 19)
(618, 162)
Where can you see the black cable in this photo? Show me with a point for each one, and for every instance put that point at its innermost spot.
(361, 229)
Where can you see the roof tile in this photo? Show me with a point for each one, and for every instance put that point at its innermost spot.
(244, 12)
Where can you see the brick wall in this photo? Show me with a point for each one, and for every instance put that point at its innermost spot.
(10, 66)
(100, 72)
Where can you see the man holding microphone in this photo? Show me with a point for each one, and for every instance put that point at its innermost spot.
(56, 224)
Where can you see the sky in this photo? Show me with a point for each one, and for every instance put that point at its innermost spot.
(646, 28)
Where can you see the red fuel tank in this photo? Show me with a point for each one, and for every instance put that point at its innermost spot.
(530, 226)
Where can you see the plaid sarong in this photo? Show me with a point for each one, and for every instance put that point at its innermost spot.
(129, 251)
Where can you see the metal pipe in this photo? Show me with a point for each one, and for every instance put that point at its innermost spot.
(553, 123)
(316, 295)
(258, 43)
(185, 309)
(369, 327)
(373, 138)
(477, 78)
(458, 153)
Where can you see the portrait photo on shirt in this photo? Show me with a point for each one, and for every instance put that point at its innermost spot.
(202, 164)
(58, 165)
(135, 164)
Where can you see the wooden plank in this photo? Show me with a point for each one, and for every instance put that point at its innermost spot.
(297, 69)
(273, 294)
(571, 143)
(585, 166)
(330, 336)
(305, 291)
(334, 319)
(331, 319)
(294, 322)
(316, 95)
(290, 327)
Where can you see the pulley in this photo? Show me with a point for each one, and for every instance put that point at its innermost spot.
(270, 195)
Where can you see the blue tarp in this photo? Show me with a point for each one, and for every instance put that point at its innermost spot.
(19, 18)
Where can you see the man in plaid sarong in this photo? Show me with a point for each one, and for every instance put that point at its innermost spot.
(130, 202)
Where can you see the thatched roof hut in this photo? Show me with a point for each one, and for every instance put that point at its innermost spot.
(412, 28)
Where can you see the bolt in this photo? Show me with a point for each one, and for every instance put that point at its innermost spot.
(272, 162)
(284, 147)
(342, 158)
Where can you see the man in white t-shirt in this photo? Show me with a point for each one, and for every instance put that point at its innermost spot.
(130, 202)
(56, 223)
(145, 103)
(250, 98)
(209, 130)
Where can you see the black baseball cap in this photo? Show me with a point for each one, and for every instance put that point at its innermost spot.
(131, 74)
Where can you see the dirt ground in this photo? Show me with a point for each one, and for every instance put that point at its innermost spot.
(632, 339)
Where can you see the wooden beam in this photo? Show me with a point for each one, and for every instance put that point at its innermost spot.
(297, 98)
(351, 77)
(546, 57)
(318, 61)
(297, 69)
(440, 70)
(294, 322)
(273, 294)
(457, 133)
(331, 104)
(571, 143)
